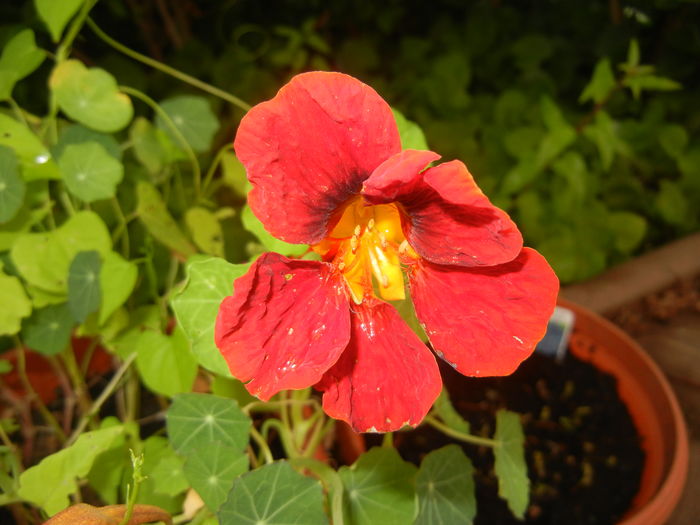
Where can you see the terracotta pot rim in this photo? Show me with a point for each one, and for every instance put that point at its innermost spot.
(665, 495)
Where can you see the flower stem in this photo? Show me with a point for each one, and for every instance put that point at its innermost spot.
(264, 447)
(461, 436)
(212, 90)
(64, 48)
(329, 477)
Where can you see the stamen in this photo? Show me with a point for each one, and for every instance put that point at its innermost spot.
(385, 281)
(341, 266)
(370, 224)
(382, 240)
(354, 243)
(403, 247)
(358, 230)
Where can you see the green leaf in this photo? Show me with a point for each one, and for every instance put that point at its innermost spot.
(673, 139)
(84, 294)
(270, 243)
(637, 84)
(90, 172)
(15, 304)
(155, 216)
(205, 230)
(604, 132)
(56, 14)
(152, 147)
(197, 420)
(168, 476)
(274, 495)
(193, 117)
(445, 488)
(444, 408)
(379, 488)
(109, 467)
(211, 471)
(19, 58)
(208, 281)
(142, 319)
(48, 330)
(5, 366)
(43, 259)
(34, 157)
(165, 362)
(522, 141)
(157, 455)
(90, 96)
(633, 53)
(12, 187)
(628, 230)
(60, 470)
(561, 134)
(233, 174)
(671, 203)
(510, 467)
(78, 134)
(117, 281)
(601, 84)
(412, 136)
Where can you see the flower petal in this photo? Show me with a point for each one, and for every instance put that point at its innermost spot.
(386, 378)
(398, 175)
(308, 150)
(447, 219)
(485, 321)
(287, 322)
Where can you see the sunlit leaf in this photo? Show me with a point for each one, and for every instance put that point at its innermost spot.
(152, 147)
(197, 420)
(155, 216)
(445, 488)
(165, 363)
(193, 117)
(60, 470)
(84, 284)
(15, 304)
(270, 243)
(211, 471)
(601, 84)
(168, 475)
(19, 58)
(56, 14)
(510, 467)
(34, 157)
(275, 495)
(379, 488)
(628, 229)
(90, 96)
(233, 174)
(48, 330)
(117, 280)
(12, 187)
(411, 134)
(89, 172)
(208, 281)
(78, 134)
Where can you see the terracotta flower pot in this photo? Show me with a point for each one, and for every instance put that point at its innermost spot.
(653, 407)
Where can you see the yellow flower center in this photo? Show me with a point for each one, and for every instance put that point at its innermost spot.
(367, 242)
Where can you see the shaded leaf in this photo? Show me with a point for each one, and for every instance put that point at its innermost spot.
(601, 84)
(628, 230)
(510, 467)
(168, 476)
(19, 58)
(12, 187)
(78, 134)
(117, 280)
(193, 117)
(197, 420)
(443, 407)
(275, 495)
(445, 488)
(208, 281)
(90, 96)
(379, 488)
(673, 139)
(90, 172)
(48, 330)
(671, 203)
(60, 470)
(205, 230)
(233, 174)
(84, 284)
(211, 471)
(155, 216)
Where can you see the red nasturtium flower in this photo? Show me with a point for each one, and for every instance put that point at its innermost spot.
(326, 166)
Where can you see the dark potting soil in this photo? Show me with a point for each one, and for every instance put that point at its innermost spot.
(582, 449)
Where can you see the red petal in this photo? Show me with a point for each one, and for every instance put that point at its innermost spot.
(398, 175)
(386, 378)
(448, 220)
(308, 150)
(287, 322)
(485, 321)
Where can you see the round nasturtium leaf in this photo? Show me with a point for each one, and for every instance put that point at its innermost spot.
(275, 495)
(84, 284)
(12, 187)
(14, 306)
(79, 134)
(90, 96)
(34, 157)
(193, 117)
(19, 58)
(48, 330)
(90, 172)
(56, 14)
